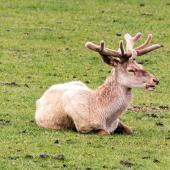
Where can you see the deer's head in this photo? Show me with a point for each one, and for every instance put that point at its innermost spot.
(128, 72)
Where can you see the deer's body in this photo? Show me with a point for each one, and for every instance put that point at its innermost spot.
(75, 106)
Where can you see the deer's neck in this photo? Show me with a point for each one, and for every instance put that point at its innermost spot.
(112, 98)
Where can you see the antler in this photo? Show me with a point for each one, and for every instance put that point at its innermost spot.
(130, 41)
(142, 49)
(130, 50)
(102, 50)
(146, 43)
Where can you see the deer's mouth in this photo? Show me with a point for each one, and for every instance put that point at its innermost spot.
(150, 87)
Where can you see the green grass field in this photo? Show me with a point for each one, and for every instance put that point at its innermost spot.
(41, 44)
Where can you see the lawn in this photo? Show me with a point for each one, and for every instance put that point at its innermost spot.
(41, 44)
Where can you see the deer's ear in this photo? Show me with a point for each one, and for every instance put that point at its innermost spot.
(110, 61)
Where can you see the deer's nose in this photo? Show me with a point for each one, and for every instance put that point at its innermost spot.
(156, 80)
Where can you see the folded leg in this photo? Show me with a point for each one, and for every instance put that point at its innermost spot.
(123, 129)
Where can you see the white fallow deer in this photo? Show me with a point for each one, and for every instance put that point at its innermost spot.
(73, 105)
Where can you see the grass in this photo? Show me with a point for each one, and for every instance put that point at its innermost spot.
(42, 43)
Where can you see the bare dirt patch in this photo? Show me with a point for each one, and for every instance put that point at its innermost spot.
(9, 84)
(151, 109)
(127, 163)
(13, 84)
(4, 122)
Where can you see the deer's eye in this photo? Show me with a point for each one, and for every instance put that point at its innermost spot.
(130, 70)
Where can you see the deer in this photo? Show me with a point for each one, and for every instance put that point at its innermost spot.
(73, 105)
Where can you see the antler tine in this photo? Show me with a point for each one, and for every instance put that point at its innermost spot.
(100, 49)
(102, 45)
(137, 37)
(146, 43)
(148, 49)
(122, 48)
(130, 41)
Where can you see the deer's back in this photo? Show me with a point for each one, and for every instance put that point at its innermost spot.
(50, 108)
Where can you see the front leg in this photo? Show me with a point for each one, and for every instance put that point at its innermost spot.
(123, 129)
